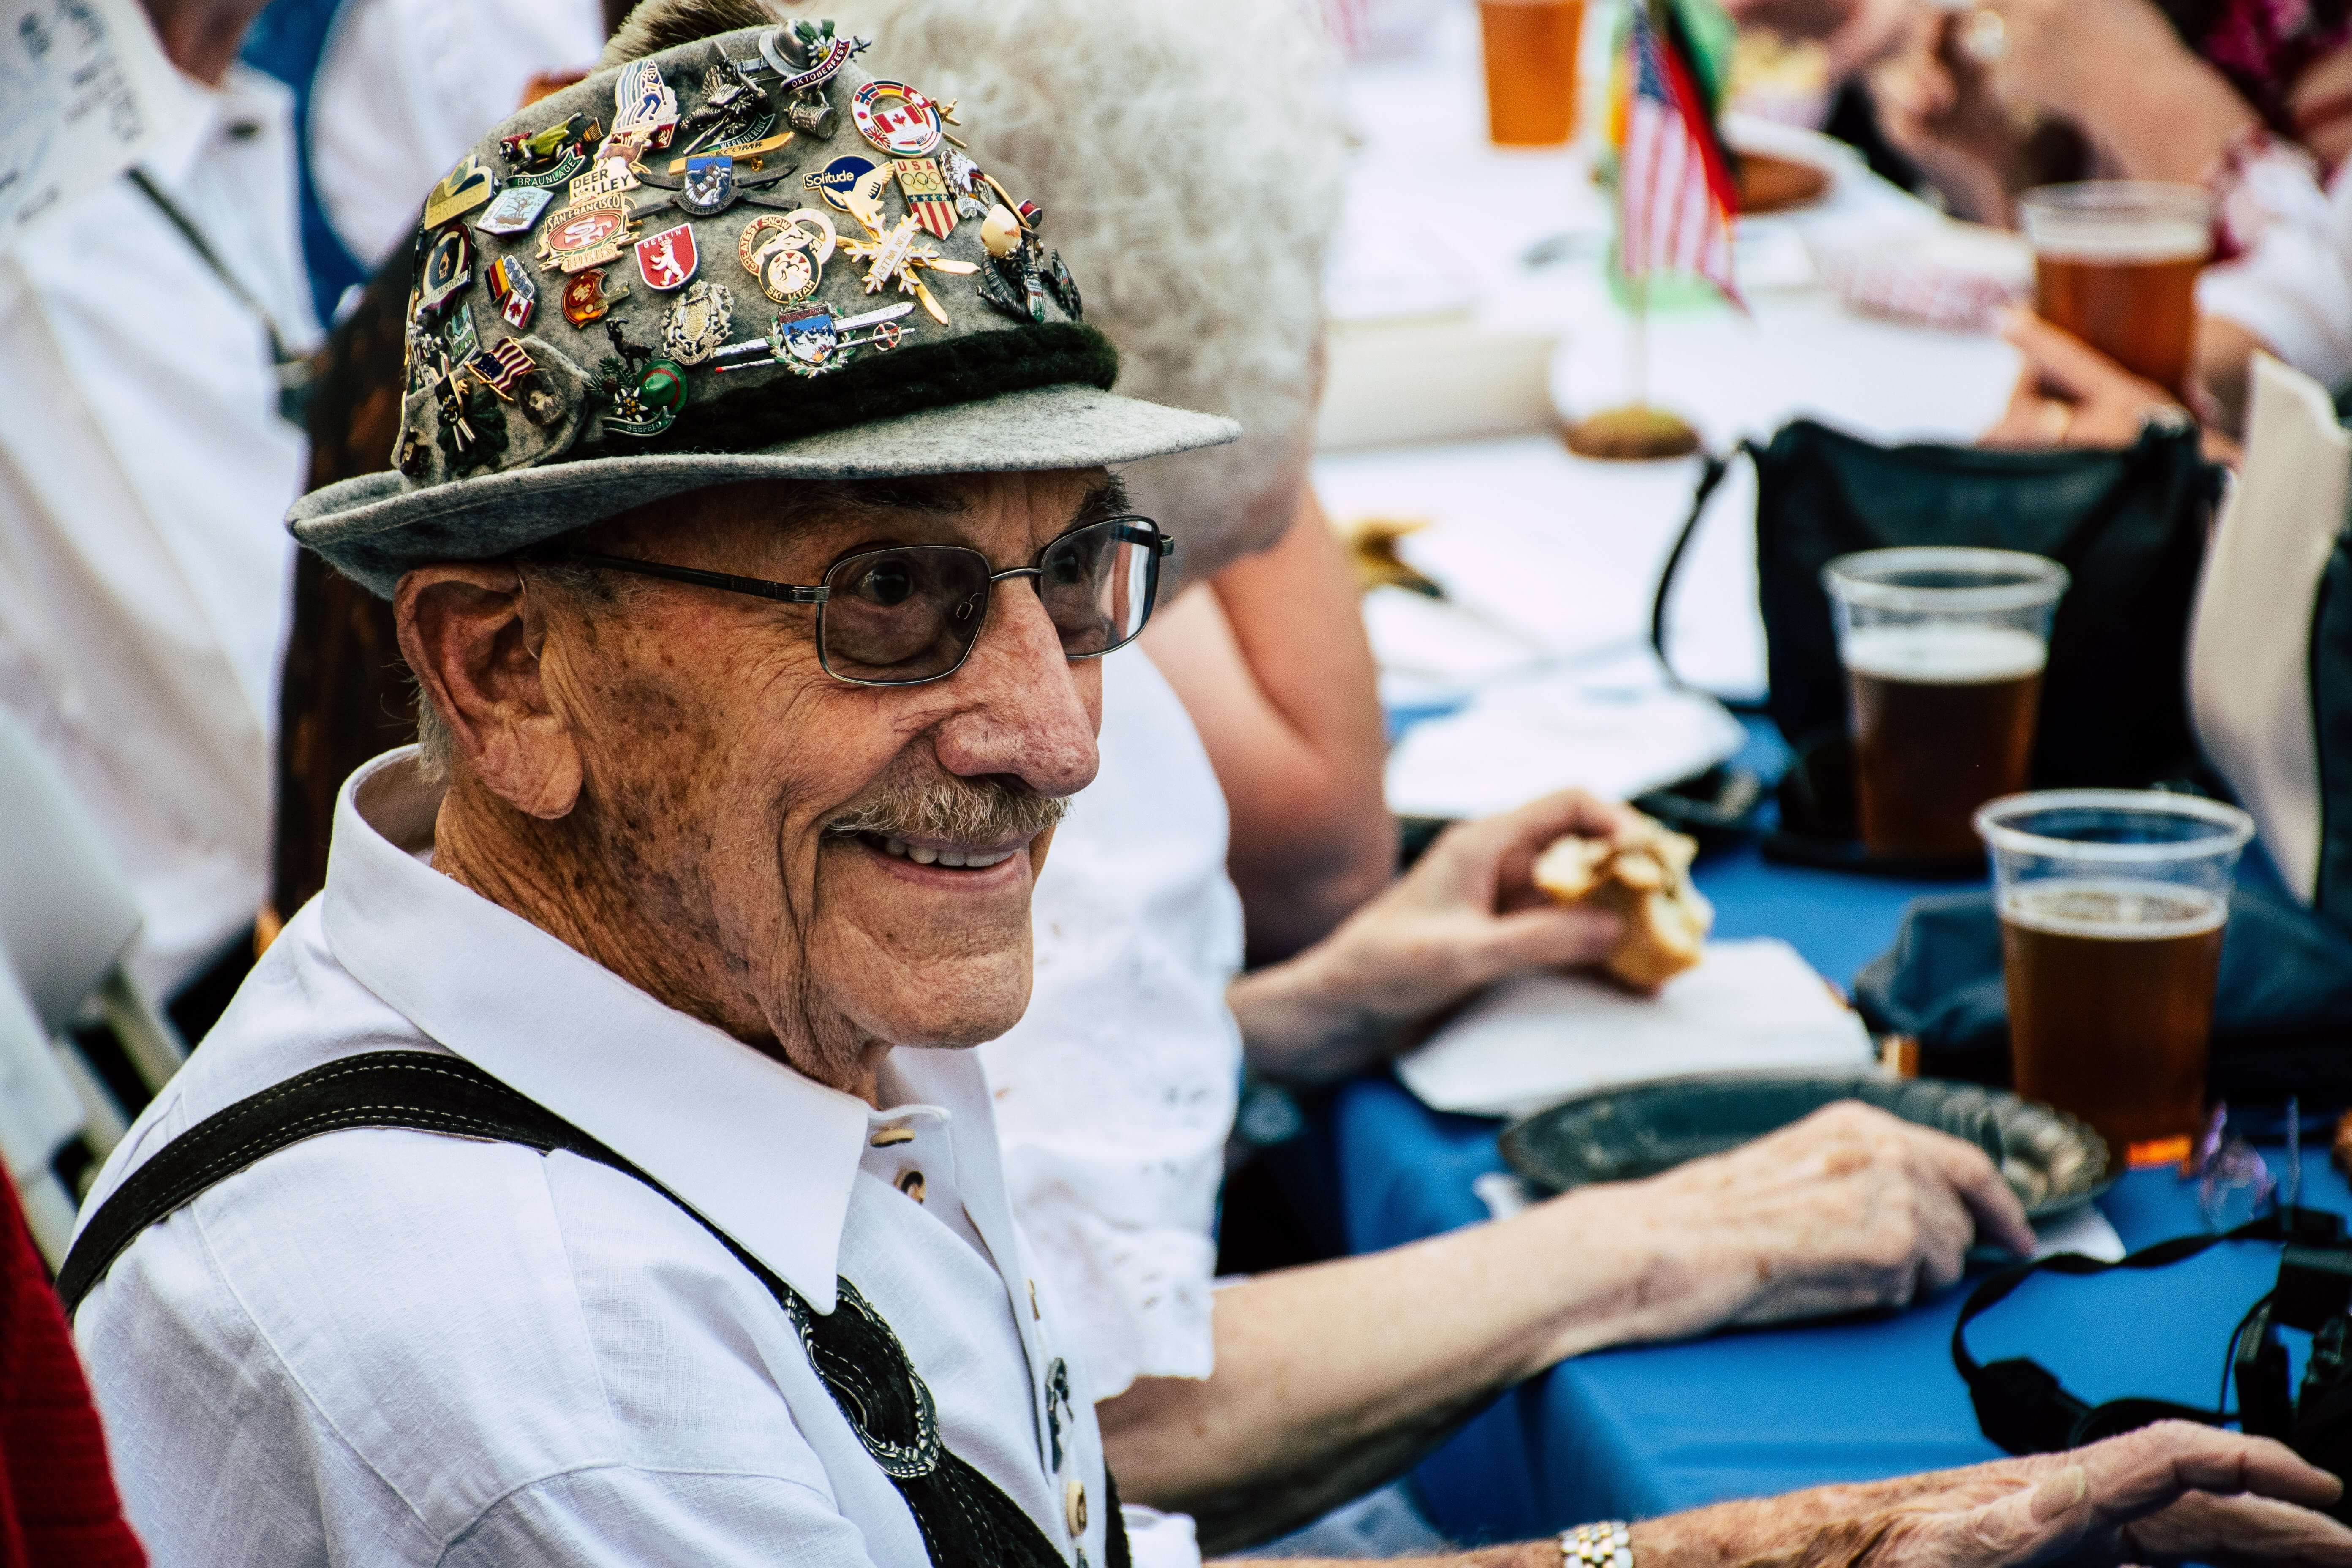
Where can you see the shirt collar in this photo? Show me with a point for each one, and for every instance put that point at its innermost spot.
(764, 1154)
(195, 114)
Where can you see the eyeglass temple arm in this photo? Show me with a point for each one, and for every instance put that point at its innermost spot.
(783, 592)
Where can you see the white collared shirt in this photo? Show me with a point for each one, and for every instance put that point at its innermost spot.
(387, 1346)
(145, 574)
(407, 88)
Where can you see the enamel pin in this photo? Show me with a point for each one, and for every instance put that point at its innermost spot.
(642, 394)
(787, 254)
(644, 112)
(836, 179)
(665, 260)
(586, 298)
(461, 190)
(896, 118)
(458, 336)
(709, 186)
(698, 323)
(448, 268)
(514, 211)
(586, 234)
(515, 294)
(926, 190)
(733, 110)
(551, 157)
(813, 340)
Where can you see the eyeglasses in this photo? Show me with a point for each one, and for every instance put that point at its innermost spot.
(912, 613)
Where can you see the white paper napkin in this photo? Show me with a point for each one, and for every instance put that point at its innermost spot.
(1749, 1005)
(1522, 739)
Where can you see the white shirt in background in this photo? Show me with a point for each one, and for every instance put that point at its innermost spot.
(405, 87)
(388, 1346)
(2293, 289)
(145, 478)
(1115, 1093)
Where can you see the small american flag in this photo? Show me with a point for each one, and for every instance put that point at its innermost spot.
(502, 367)
(1675, 190)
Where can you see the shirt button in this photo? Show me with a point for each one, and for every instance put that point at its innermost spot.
(1034, 1312)
(911, 1183)
(1073, 1506)
(891, 1136)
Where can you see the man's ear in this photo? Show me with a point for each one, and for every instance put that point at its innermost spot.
(472, 637)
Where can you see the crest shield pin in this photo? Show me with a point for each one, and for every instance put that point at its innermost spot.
(698, 322)
(709, 188)
(665, 260)
(926, 190)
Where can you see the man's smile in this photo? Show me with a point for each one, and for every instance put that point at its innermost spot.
(943, 863)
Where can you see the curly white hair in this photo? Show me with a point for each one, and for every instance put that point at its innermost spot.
(1188, 155)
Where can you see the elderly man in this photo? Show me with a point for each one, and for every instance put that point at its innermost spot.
(594, 1174)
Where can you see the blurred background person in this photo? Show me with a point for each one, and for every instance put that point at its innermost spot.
(2016, 93)
(154, 333)
(389, 93)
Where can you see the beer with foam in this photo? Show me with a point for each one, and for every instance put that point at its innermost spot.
(1943, 648)
(1943, 721)
(2113, 904)
(2115, 263)
(2110, 986)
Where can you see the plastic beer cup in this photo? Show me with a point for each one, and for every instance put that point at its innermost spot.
(1943, 650)
(2112, 907)
(2115, 263)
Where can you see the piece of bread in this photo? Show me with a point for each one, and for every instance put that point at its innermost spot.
(1646, 877)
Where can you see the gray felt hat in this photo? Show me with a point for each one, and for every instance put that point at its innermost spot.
(739, 258)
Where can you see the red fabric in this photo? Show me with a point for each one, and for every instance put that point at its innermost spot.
(58, 1507)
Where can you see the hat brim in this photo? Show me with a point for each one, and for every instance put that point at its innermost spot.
(377, 526)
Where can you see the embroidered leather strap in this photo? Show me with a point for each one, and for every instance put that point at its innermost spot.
(966, 1520)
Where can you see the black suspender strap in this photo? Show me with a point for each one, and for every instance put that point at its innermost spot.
(966, 1520)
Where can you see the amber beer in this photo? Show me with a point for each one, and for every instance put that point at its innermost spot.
(1943, 721)
(2113, 903)
(2111, 1001)
(1531, 48)
(2115, 263)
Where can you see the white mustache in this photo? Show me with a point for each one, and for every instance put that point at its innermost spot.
(958, 810)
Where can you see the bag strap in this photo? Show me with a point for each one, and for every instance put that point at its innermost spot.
(2021, 1405)
(967, 1521)
(1710, 477)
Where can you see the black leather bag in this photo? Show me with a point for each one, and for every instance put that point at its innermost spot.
(2128, 524)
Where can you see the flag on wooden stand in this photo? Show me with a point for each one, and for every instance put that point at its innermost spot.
(1675, 194)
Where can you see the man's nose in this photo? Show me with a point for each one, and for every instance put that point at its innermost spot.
(1024, 710)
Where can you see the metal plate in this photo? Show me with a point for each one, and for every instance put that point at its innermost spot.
(2054, 1163)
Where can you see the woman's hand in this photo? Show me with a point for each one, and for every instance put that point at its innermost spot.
(1467, 915)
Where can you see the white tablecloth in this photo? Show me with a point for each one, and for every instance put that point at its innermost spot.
(1549, 554)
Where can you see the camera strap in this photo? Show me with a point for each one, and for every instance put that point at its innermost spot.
(2022, 1406)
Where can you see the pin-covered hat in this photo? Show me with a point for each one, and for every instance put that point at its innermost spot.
(740, 258)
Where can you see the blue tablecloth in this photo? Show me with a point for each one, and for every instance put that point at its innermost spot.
(1648, 1430)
